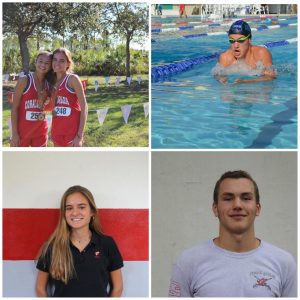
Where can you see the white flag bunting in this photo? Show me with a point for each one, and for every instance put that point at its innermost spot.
(126, 112)
(146, 109)
(96, 85)
(102, 112)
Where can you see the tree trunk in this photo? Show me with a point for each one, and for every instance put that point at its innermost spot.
(24, 51)
(127, 56)
(86, 42)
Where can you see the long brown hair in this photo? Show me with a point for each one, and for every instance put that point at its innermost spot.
(68, 56)
(61, 265)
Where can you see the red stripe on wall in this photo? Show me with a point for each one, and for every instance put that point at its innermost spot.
(25, 231)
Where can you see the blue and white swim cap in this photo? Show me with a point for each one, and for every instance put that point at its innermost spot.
(240, 27)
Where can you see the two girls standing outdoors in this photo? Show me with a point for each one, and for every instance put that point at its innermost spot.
(51, 86)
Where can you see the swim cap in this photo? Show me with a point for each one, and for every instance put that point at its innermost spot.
(240, 27)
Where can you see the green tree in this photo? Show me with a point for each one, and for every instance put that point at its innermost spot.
(127, 20)
(22, 19)
(95, 44)
(35, 19)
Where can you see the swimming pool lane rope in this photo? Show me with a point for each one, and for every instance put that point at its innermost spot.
(191, 27)
(160, 72)
(225, 22)
(260, 28)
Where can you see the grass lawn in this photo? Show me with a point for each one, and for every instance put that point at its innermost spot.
(114, 132)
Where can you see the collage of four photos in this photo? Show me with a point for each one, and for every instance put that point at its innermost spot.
(182, 180)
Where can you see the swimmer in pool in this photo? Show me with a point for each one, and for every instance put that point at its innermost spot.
(243, 52)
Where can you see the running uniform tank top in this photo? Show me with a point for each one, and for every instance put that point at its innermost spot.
(29, 125)
(67, 111)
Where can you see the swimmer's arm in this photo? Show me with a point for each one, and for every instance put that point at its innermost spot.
(221, 79)
(223, 61)
(259, 79)
(266, 58)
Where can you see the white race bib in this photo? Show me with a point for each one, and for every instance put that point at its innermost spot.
(62, 111)
(34, 116)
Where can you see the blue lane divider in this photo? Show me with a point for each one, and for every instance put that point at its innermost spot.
(156, 30)
(159, 72)
(178, 67)
(260, 28)
(186, 27)
(190, 36)
(259, 20)
(276, 44)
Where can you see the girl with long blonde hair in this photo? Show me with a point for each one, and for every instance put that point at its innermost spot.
(78, 260)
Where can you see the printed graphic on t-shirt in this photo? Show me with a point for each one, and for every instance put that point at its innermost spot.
(97, 254)
(262, 280)
(174, 290)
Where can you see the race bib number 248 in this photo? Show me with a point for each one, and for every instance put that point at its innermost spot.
(62, 111)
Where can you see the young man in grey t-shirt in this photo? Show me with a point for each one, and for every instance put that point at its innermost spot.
(236, 263)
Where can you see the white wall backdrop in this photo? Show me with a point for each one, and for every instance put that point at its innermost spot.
(37, 179)
(182, 195)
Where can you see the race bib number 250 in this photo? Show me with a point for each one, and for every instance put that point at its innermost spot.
(62, 111)
(34, 116)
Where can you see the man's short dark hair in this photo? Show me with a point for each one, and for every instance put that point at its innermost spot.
(235, 175)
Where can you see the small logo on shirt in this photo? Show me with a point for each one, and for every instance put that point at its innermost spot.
(174, 290)
(97, 254)
(262, 279)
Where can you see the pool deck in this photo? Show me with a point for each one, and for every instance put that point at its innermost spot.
(173, 13)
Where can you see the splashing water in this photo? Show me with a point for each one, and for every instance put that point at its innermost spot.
(241, 68)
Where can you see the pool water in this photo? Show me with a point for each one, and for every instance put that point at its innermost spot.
(192, 110)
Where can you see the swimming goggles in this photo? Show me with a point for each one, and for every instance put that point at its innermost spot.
(239, 40)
